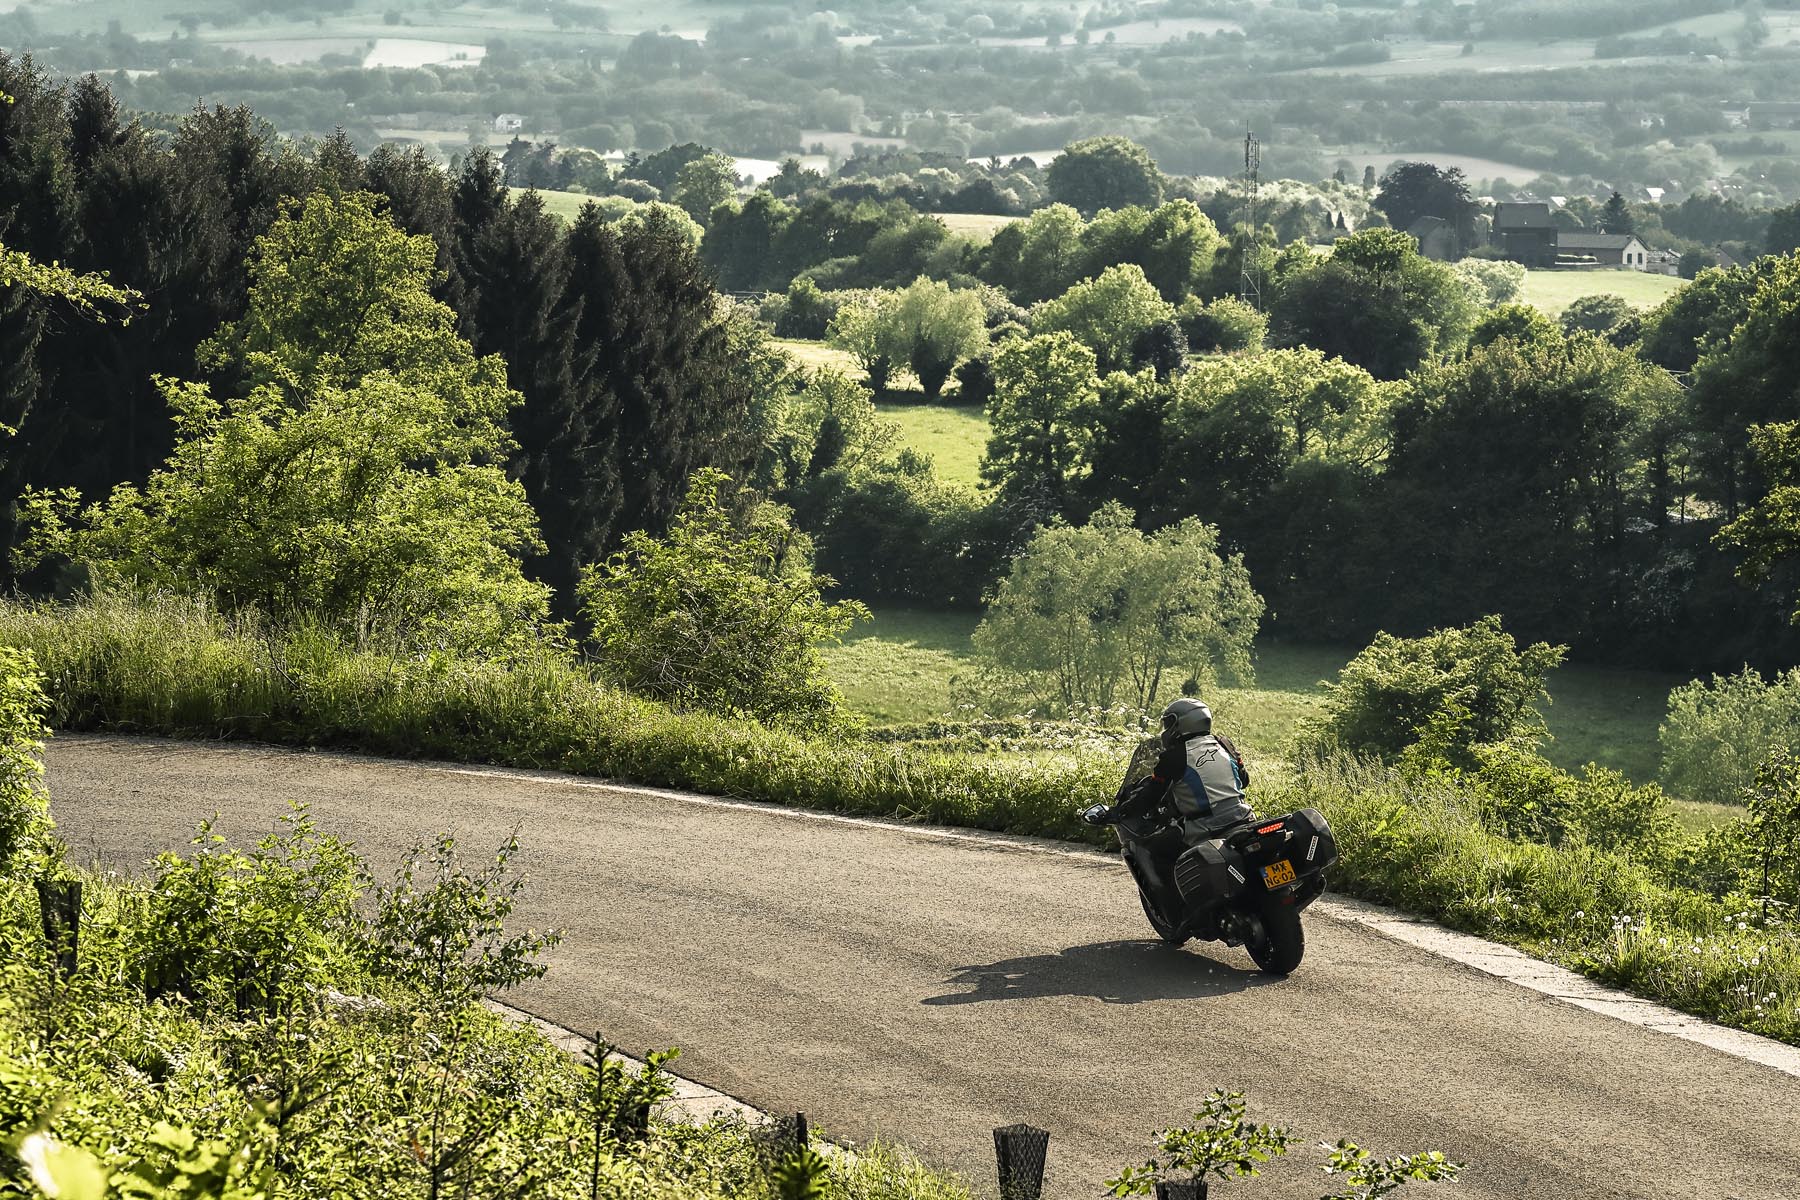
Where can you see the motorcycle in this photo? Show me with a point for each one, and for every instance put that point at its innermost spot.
(1245, 885)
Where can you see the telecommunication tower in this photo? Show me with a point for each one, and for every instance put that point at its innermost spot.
(1250, 279)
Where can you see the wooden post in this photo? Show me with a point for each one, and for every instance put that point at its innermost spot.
(59, 903)
(1188, 1189)
(1020, 1152)
(802, 1134)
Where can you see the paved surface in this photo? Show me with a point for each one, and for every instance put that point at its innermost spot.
(926, 988)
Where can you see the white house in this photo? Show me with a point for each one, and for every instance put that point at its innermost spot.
(1607, 249)
(508, 123)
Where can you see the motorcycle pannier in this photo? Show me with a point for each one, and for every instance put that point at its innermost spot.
(1314, 847)
(1208, 873)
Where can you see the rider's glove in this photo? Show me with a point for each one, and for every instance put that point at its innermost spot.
(1099, 814)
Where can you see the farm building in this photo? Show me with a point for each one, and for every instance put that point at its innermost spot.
(1527, 233)
(1606, 249)
(508, 123)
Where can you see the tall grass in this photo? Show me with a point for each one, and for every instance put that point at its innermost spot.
(172, 666)
(1415, 841)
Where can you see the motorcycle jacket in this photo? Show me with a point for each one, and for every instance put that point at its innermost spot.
(1206, 778)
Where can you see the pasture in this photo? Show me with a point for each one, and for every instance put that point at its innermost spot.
(979, 227)
(1553, 291)
(953, 435)
(897, 669)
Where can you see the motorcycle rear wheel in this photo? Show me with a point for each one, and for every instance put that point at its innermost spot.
(1167, 932)
(1283, 943)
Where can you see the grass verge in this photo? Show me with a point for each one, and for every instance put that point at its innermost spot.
(174, 668)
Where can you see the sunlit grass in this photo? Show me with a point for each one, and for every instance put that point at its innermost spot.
(1553, 291)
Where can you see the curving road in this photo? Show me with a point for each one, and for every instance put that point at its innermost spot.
(924, 987)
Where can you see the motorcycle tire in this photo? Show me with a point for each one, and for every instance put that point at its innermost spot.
(1283, 943)
(1167, 932)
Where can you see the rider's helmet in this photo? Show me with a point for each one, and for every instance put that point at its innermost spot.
(1183, 719)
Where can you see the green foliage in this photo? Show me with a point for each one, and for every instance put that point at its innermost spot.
(1107, 315)
(446, 942)
(1492, 282)
(1375, 302)
(1600, 314)
(1388, 698)
(1519, 322)
(1042, 415)
(1746, 383)
(24, 806)
(1224, 326)
(359, 479)
(90, 294)
(1105, 172)
(703, 185)
(860, 328)
(1367, 1177)
(1773, 829)
(719, 616)
(261, 931)
(1219, 1141)
(1768, 534)
(1718, 732)
(931, 328)
(1100, 615)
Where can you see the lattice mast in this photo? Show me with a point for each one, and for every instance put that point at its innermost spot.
(1250, 277)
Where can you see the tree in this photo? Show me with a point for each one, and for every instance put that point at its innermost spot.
(1471, 686)
(861, 329)
(1491, 282)
(1617, 217)
(1107, 315)
(1411, 191)
(1768, 532)
(1039, 257)
(1223, 326)
(1513, 481)
(1105, 172)
(723, 615)
(1041, 416)
(931, 329)
(1783, 235)
(1375, 302)
(1103, 615)
(359, 478)
(703, 185)
(1599, 314)
(1750, 381)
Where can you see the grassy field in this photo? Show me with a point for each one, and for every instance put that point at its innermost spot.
(898, 668)
(977, 226)
(566, 205)
(1553, 291)
(953, 436)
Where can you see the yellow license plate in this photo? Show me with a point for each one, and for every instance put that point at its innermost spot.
(1277, 874)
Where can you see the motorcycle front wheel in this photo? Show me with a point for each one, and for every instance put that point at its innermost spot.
(1167, 932)
(1283, 943)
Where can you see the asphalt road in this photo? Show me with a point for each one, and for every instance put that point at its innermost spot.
(922, 988)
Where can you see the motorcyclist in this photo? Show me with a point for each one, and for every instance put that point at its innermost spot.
(1201, 771)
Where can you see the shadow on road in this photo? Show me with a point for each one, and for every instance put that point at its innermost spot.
(1116, 972)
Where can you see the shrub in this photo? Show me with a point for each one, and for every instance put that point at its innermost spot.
(24, 807)
(808, 311)
(719, 616)
(1462, 687)
(256, 931)
(1491, 283)
(1717, 732)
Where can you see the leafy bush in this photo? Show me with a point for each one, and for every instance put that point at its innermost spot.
(447, 942)
(1491, 282)
(24, 808)
(719, 617)
(1717, 732)
(1462, 687)
(257, 931)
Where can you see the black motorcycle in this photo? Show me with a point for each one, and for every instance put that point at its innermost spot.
(1245, 885)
